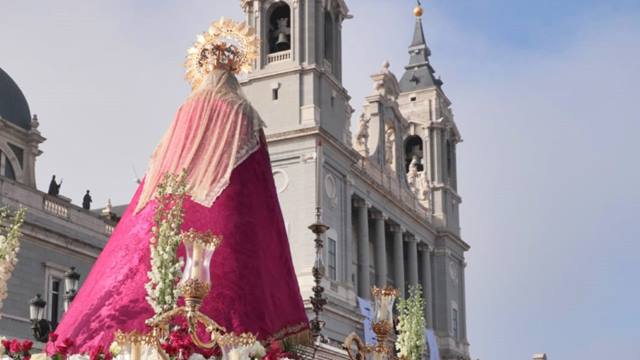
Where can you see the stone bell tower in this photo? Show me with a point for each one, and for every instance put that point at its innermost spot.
(297, 78)
(430, 146)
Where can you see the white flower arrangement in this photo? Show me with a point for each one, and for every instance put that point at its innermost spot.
(115, 349)
(196, 356)
(78, 357)
(162, 294)
(257, 351)
(411, 324)
(9, 246)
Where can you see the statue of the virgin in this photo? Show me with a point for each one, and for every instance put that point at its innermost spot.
(217, 138)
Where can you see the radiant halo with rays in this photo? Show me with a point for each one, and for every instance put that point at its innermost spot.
(227, 44)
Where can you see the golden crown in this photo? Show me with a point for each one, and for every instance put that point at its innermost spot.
(226, 45)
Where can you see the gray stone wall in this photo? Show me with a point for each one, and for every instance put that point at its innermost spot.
(54, 239)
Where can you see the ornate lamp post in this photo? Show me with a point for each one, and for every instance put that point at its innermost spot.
(317, 300)
(382, 324)
(39, 325)
(71, 284)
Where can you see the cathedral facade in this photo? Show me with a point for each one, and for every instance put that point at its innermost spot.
(388, 191)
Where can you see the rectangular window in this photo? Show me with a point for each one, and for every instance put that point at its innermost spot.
(413, 98)
(274, 94)
(333, 273)
(54, 293)
(454, 318)
(55, 299)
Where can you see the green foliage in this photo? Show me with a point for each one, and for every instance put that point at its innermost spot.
(411, 325)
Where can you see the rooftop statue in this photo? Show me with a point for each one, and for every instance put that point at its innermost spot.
(86, 201)
(54, 187)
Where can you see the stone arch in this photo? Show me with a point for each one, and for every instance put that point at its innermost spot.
(12, 160)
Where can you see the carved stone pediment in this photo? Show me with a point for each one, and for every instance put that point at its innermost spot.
(385, 83)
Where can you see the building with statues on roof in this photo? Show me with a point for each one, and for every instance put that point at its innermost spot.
(387, 189)
(57, 235)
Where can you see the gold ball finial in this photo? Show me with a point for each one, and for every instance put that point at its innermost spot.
(417, 11)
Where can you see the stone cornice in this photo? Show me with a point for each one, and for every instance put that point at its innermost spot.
(444, 233)
(448, 188)
(277, 72)
(61, 240)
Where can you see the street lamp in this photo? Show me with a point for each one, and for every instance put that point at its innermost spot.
(318, 301)
(40, 326)
(71, 284)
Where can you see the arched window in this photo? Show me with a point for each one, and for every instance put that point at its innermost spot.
(328, 37)
(6, 169)
(279, 28)
(413, 148)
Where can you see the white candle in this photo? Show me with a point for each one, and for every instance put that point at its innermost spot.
(384, 311)
(196, 260)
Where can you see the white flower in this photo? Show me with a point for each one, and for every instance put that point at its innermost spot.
(257, 350)
(40, 356)
(78, 357)
(9, 247)
(115, 348)
(411, 339)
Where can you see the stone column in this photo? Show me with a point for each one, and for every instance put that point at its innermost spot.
(427, 153)
(437, 155)
(347, 247)
(426, 283)
(398, 259)
(380, 250)
(463, 305)
(363, 248)
(412, 257)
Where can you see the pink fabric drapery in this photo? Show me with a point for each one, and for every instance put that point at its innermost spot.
(254, 286)
(229, 134)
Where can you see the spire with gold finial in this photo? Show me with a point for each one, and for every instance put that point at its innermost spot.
(419, 74)
(418, 11)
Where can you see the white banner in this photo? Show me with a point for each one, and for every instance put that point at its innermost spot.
(365, 310)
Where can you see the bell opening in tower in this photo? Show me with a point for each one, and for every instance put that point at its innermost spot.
(279, 28)
(413, 152)
(328, 37)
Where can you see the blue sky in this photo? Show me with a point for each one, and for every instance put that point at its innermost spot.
(544, 94)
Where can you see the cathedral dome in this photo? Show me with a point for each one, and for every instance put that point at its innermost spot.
(13, 104)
